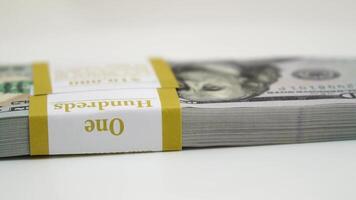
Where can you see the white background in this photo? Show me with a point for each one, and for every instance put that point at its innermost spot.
(102, 31)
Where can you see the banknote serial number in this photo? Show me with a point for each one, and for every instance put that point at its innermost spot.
(315, 88)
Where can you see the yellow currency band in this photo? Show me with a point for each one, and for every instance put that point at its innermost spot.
(171, 119)
(171, 122)
(164, 73)
(171, 113)
(38, 125)
(41, 78)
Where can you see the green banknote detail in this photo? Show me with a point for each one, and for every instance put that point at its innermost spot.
(15, 86)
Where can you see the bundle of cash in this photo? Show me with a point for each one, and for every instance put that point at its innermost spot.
(229, 102)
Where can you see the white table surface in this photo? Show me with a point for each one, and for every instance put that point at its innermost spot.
(108, 31)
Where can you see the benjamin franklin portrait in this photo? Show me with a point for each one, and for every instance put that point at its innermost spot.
(223, 81)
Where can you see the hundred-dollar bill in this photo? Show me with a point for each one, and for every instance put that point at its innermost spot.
(267, 101)
(15, 85)
(230, 83)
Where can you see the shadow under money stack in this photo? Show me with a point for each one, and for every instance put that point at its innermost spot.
(231, 103)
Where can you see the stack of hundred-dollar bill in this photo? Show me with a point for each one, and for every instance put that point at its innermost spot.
(228, 102)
